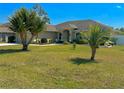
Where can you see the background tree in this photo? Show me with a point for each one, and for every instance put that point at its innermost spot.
(94, 37)
(26, 22)
(122, 29)
(43, 14)
(40, 11)
(117, 29)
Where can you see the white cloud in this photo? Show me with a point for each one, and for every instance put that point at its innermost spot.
(118, 6)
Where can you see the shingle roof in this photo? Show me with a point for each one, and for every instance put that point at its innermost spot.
(82, 25)
(51, 28)
(4, 28)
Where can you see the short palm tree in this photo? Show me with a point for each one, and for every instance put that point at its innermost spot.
(26, 22)
(95, 36)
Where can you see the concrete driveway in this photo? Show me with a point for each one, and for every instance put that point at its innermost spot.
(11, 44)
(45, 44)
(7, 44)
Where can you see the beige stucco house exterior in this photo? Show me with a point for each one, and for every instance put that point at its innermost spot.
(66, 31)
(5, 33)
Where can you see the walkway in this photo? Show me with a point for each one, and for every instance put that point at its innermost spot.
(10, 44)
(45, 44)
(7, 44)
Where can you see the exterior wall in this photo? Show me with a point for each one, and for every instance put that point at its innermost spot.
(18, 40)
(54, 36)
(49, 35)
(65, 35)
(68, 35)
(4, 36)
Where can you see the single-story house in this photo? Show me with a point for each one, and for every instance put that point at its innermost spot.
(66, 31)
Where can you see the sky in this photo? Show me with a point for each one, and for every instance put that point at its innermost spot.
(108, 14)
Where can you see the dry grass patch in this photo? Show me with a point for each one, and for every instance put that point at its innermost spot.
(61, 67)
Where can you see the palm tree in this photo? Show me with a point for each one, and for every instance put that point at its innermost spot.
(95, 36)
(26, 22)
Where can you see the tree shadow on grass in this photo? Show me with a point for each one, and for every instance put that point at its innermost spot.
(80, 61)
(121, 49)
(7, 51)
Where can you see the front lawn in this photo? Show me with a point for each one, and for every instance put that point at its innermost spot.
(61, 67)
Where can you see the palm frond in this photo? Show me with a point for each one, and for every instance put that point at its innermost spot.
(95, 35)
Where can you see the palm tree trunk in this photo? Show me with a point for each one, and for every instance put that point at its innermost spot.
(93, 53)
(25, 47)
(23, 41)
(30, 39)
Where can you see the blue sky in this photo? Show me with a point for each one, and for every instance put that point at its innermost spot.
(109, 14)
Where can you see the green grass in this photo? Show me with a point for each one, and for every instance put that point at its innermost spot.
(2, 42)
(61, 67)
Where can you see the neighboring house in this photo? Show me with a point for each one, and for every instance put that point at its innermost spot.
(66, 31)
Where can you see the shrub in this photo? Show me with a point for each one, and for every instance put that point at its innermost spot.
(43, 40)
(102, 43)
(105, 39)
(60, 42)
(82, 41)
(66, 43)
(36, 41)
(74, 45)
(49, 41)
(114, 40)
(11, 39)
